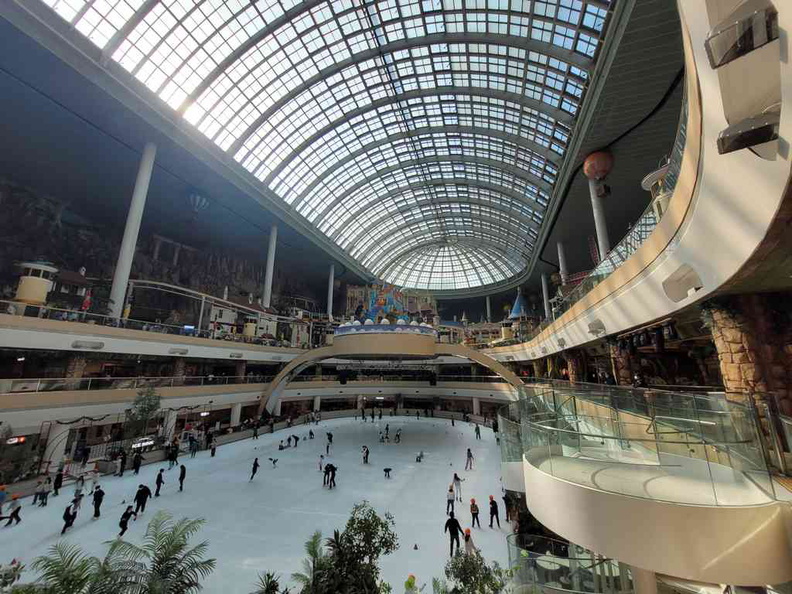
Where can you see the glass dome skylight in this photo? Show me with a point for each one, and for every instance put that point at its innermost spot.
(423, 137)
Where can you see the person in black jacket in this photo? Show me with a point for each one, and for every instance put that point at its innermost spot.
(453, 528)
(124, 523)
(69, 515)
(137, 460)
(141, 497)
(494, 511)
(98, 497)
(160, 481)
(331, 470)
(58, 483)
(182, 476)
(255, 469)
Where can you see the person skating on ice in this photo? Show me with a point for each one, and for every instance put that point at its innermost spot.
(326, 477)
(182, 476)
(274, 462)
(469, 460)
(45, 493)
(453, 528)
(458, 487)
(331, 469)
(98, 497)
(493, 511)
(254, 470)
(14, 509)
(365, 451)
(478, 431)
(321, 462)
(450, 497)
(280, 446)
(470, 548)
(474, 514)
(122, 457)
(124, 523)
(160, 481)
(310, 434)
(58, 482)
(141, 498)
(69, 515)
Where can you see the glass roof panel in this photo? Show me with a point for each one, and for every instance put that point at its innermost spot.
(423, 137)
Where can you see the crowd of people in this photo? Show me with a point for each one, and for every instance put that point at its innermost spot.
(460, 539)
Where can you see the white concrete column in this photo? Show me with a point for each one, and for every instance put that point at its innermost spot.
(128, 243)
(476, 406)
(236, 414)
(644, 581)
(169, 425)
(273, 241)
(277, 410)
(598, 191)
(562, 263)
(546, 296)
(489, 309)
(330, 281)
(56, 445)
(317, 405)
(360, 402)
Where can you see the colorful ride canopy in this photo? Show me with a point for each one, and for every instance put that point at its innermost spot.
(423, 137)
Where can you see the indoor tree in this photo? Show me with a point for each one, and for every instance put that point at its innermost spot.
(314, 565)
(470, 574)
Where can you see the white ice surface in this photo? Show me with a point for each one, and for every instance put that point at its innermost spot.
(261, 526)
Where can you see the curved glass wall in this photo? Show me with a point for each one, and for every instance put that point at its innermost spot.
(549, 565)
(696, 449)
(394, 128)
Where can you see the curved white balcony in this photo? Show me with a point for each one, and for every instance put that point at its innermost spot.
(668, 482)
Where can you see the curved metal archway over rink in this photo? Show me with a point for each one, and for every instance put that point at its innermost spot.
(375, 344)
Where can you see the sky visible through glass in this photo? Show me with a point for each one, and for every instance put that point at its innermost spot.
(423, 137)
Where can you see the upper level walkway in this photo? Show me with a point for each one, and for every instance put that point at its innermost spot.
(726, 222)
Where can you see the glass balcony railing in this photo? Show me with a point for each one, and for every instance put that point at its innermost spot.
(697, 449)
(548, 565)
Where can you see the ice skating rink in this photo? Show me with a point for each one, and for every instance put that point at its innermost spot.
(261, 525)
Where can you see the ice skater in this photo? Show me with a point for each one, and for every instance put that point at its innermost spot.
(453, 528)
(274, 462)
(98, 497)
(458, 487)
(160, 481)
(310, 434)
(296, 440)
(493, 511)
(470, 548)
(124, 523)
(141, 498)
(365, 451)
(182, 476)
(47, 487)
(450, 497)
(387, 431)
(254, 469)
(69, 515)
(255, 430)
(397, 439)
(387, 472)
(474, 513)
(478, 431)
(122, 458)
(419, 458)
(57, 484)
(469, 460)
(213, 443)
(14, 510)
(331, 481)
(326, 477)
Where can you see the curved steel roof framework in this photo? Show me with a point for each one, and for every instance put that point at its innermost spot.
(422, 136)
